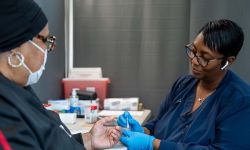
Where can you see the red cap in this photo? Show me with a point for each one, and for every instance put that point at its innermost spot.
(93, 107)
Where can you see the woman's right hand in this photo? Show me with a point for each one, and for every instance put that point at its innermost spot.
(133, 124)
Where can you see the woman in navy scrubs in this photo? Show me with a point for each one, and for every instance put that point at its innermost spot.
(207, 110)
(25, 42)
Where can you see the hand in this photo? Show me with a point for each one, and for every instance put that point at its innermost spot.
(136, 140)
(133, 124)
(104, 137)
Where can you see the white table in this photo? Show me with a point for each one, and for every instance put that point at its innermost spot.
(83, 127)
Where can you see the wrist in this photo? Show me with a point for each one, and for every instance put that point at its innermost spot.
(156, 144)
(146, 130)
(87, 140)
(141, 129)
(150, 142)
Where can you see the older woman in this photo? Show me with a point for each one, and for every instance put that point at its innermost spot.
(24, 44)
(206, 110)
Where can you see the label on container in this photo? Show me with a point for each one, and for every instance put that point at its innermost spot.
(76, 110)
(90, 113)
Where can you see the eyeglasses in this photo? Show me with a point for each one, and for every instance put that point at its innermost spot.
(201, 60)
(50, 41)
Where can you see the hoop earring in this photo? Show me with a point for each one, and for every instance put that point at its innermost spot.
(19, 56)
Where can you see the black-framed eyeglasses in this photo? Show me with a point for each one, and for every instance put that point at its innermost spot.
(201, 60)
(50, 41)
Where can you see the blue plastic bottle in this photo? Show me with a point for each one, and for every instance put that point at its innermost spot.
(74, 101)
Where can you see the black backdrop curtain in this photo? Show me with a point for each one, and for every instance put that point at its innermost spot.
(140, 43)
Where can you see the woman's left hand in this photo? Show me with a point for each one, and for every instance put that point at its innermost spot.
(103, 136)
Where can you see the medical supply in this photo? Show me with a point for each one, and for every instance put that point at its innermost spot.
(86, 95)
(101, 86)
(121, 103)
(74, 102)
(68, 118)
(96, 102)
(59, 105)
(74, 98)
(134, 125)
(140, 107)
(127, 123)
(76, 110)
(82, 104)
(91, 114)
(117, 113)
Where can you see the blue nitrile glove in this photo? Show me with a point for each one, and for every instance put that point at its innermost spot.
(133, 124)
(136, 140)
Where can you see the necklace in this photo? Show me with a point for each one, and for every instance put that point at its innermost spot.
(201, 100)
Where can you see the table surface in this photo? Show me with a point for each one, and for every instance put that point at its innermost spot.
(82, 126)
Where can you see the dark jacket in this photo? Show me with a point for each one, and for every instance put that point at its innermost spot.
(28, 125)
(221, 123)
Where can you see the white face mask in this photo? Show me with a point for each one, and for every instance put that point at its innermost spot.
(35, 76)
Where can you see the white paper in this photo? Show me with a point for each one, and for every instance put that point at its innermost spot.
(86, 73)
(130, 103)
(79, 131)
(59, 104)
(68, 118)
(117, 113)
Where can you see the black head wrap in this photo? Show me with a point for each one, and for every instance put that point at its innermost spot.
(20, 21)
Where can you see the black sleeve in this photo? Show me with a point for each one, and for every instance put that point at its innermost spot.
(78, 136)
(18, 134)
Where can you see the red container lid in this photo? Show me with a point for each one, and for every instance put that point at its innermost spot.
(93, 107)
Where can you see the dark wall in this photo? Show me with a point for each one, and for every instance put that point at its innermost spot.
(238, 11)
(49, 86)
(138, 43)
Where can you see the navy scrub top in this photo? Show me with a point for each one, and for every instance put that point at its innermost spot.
(221, 122)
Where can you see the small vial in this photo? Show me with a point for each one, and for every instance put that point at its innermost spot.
(94, 113)
(91, 114)
(127, 123)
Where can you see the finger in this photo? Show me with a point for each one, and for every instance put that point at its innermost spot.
(109, 132)
(113, 131)
(119, 132)
(105, 120)
(119, 129)
(115, 137)
(111, 140)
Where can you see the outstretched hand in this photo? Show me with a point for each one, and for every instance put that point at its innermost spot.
(103, 136)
